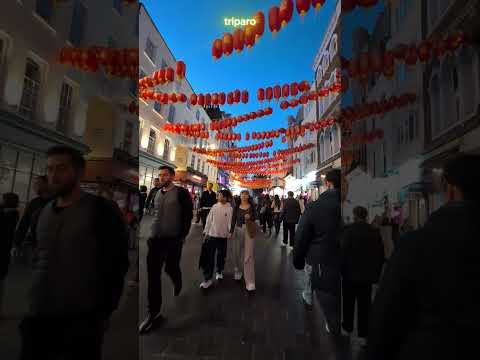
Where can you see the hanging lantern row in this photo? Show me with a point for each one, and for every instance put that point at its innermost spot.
(223, 152)
(233, 97)
(240, 39)
(262, 170)
(363, 139)
(352, 114)
(228, 136)
(234, 121)
(336, 88)
(188, 130)
(277, 92)
(163, 98)
(163, 76)
(384, 63)
(257, 165)
(259, 155)
(295, 150)
(254, 183)
(350, 5)
(121, 63)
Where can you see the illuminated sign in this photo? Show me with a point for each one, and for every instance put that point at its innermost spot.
(235, 22)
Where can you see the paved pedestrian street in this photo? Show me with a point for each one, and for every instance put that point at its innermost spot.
(121, 340)
(226, 323)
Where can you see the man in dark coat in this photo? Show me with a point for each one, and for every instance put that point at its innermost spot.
(317, 242)
(208, 199)
(291, 214)
(149, 203)
(427, 303)
(362, 260)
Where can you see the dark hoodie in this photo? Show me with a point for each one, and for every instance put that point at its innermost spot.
(427, 306)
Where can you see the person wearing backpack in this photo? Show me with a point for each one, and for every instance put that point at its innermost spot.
(79, 272)
(171, 225)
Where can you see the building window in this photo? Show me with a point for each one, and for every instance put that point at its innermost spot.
(171, 114)
(128, 136)
(77, 28)
(65, 108)
(152, 139)
(133, 87)
(197, 115)
(117, 5)
(203, 168)
(44, 8)
(157, 106)
(166, 150)
(141, 74)
(192, 162)
(412, 126)
(31, 89)
(150, 50)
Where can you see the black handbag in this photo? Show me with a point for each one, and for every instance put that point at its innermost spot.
(204, 252)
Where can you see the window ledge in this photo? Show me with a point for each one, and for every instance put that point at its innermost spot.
(45, 23)
(148, 57)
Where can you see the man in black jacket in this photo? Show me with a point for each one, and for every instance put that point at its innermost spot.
(81, 263)
(317, 242)
(208, 199)
(427, 303)
(362, 260)
(291, 214)
(170, 227)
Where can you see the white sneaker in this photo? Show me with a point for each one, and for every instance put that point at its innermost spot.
(327, 328)
(238, 276)
(347, 334)
(250, 287)
(360, 341)
(206, 284)
(219, 276)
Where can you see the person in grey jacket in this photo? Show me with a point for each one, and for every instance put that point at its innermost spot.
(317, 243)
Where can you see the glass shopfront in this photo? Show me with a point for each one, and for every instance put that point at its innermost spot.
(18, 168)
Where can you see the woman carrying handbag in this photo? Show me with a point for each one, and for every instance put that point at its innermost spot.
(243, 232)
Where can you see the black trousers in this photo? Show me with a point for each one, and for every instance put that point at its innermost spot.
(62, 338)
(268, 220)
(276, 220)
(216, 246)
(326, 281)
(203, 214)
(360, 293)
(289, 228)
(162, 252)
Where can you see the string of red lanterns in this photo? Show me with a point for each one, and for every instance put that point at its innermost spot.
(121, 63)
(188, 130)
(361, 139)
(224, 151)
(234, 121)
(233, 97)
(384, 63)
(229, 136)
(163, 98)
(163, 76)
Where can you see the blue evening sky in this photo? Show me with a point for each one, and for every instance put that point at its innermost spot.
(189, 28)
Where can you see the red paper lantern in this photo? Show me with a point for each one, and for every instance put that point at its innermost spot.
(230, 98)
(181, 69)
(294, 103)
(227, 44)
(261, 94)
(244, 96)
(269, 93)
(236, 96)
(259, 27)
(377, 63)
(274, 23)
(217, 49)
(169, 74)
(388, 65)
(221, 98)
(277, 92)
(173, 98)
(182, 98)
(201, 99)
(286, 12)
(425, 51)
(286, 91)
(165, 99)
(284, 105)
(215, 99)
(400, 51)
(250, 36)
(294, 89)
(208, 99)
(439, 47)
(238, 39)
(303, 99)
(303, 6)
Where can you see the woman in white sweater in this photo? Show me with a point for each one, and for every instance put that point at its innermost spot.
(217, 230)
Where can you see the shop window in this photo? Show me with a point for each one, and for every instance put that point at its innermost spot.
(31, 89)
(152, 139)
(166, 150)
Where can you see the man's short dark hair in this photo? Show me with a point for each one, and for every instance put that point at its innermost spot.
(359, 212)
(143, 188)
(78, 161)
(226, 194)
(290, 194)
(464, 172)
(42, 178)
(334, 176)
(170, 169)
